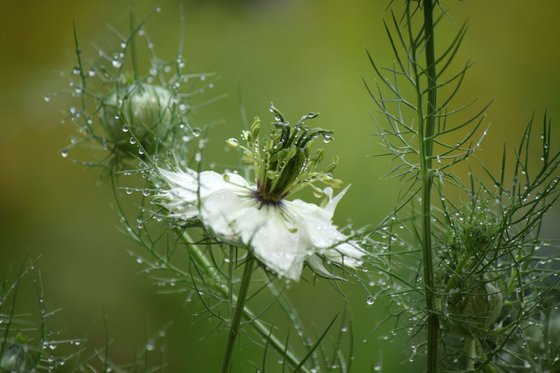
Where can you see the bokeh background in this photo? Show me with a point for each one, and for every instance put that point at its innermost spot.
(303, 55)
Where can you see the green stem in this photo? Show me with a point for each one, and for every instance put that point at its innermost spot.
(133, 54)
(470, 349)
(426, 148)
(217, 283)
(238, 312)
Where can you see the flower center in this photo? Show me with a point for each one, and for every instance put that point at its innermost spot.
(282, 161)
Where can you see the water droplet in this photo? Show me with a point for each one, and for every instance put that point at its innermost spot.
(76, 70)
(64, 153)
(196, 131)
(182, 107)
(132, 140)
(123, 45)
(158, 9)
(198, 157)
(327, 137)
(125, 129)
(116, 63)
(370, 300)
(47, 98)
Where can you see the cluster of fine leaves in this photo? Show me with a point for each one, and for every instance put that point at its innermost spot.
(495, 279)
(28, 342)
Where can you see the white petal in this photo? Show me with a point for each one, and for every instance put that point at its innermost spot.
(314, 225)
(333, 202)
(274, 242)
(220, 212)
(238, 217)
(187, 186)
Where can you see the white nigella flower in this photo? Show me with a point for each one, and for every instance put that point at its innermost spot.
(282, 234)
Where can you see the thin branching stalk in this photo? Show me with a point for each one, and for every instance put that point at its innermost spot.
(427, 125)
(238, 312)
(218, 285)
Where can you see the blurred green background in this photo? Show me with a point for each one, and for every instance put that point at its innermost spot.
(305, 56)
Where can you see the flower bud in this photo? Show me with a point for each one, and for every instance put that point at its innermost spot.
(474, 309)
(138, 113)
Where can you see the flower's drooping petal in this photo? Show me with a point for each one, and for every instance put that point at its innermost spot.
(316, 263)
(347, 253)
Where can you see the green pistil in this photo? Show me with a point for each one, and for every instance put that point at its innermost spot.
(283, 163)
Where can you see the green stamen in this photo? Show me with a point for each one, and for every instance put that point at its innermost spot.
(283, 164)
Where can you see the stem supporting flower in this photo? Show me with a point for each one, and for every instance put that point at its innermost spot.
(238, 312)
